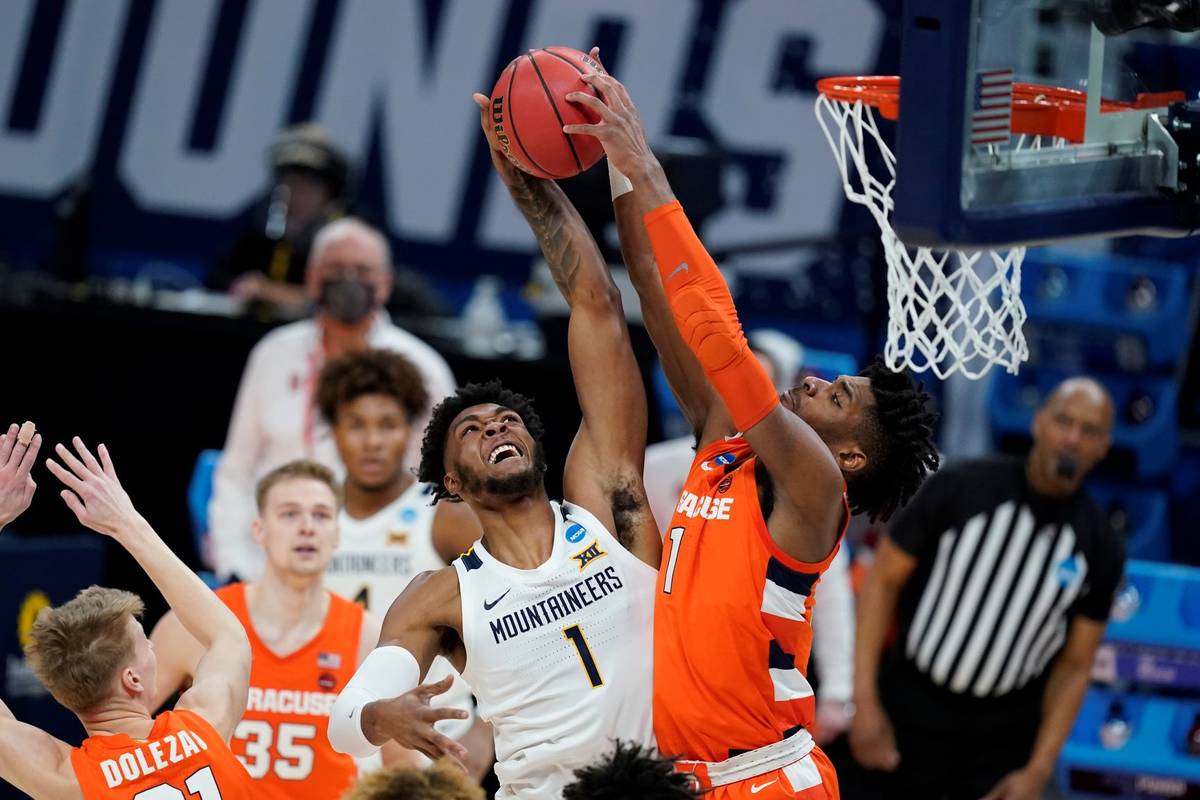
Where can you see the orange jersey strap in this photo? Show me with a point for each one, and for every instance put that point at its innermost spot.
(705, 315)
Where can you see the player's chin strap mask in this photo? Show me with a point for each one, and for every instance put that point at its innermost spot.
(347, 300)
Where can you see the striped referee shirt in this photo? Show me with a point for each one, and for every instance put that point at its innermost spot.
(1001, 572)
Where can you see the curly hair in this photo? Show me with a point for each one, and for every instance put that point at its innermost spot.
(442, 781)
(370, 372)
(897, 438)
(433, 447)
(630, 771)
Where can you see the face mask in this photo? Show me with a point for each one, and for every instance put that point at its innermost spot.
(346, 300)
(1066, 467)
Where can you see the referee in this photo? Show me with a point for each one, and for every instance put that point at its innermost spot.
(1002, 572)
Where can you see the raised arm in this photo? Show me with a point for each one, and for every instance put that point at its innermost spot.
(34, 761)
(222, 677)
(177, 653)
(807, 479)
(604, 468)
(384, 700)
(684, 374)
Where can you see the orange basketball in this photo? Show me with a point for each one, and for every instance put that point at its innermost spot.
(529, 109)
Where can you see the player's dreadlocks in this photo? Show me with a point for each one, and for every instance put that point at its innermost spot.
(898, 441)
(433, 446)
(630, 772)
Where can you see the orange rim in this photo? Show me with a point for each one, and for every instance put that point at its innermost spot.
(1038, 109)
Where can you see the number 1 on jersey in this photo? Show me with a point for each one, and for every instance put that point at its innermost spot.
(676, 536)
(585, 655)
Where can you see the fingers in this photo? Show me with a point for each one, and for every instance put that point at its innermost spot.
(428, 690)
(73, 502)
(107, 464)
(591, 101)
(73, 463)
(612, 89)
(7, 441)
(589, 130)
(68, 479)
(481, 100)
(447, 746)
(439, 714)
(30, 456)
(86, 456)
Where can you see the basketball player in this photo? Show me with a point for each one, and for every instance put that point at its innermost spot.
(93, 656)
(305, 640)
(766, 502)
(390, 529)
(549, 614)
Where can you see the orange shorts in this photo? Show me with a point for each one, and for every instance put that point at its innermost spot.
(810, 778)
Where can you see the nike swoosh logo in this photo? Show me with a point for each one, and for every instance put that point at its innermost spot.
(756, 788)
(729, 437)
(683, 267)
(489, 606)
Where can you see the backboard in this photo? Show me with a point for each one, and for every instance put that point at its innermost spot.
(1128, 165)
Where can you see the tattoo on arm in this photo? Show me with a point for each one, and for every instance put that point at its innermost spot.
(542, 203)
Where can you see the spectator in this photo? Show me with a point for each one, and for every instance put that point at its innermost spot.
(309, 182)
(630, 772)
(1003, 571)
(274, 421)
(443, 781)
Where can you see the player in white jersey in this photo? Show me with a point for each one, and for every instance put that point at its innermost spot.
(390, 529)
(551, 612)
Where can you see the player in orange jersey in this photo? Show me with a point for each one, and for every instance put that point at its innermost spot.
(766, 502)
(306, 640)
(93, 656)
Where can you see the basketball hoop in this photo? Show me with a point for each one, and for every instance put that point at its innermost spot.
(948, 310)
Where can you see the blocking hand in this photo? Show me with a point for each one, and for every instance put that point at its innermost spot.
(93, 491)
(16, 485)
(408, 720)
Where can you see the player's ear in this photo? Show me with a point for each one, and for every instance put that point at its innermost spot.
(851, 459)
(132, 683)
(451, 483)
(256, 528)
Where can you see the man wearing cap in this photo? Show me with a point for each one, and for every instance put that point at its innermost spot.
(309, 183)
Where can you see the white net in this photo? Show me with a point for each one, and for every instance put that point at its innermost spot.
(948, 310)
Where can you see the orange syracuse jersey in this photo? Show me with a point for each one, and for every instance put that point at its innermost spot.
(282, 738)
(183, 758)
(732, 619)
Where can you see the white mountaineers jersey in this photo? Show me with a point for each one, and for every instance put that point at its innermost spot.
(374, 562)
(559, 656)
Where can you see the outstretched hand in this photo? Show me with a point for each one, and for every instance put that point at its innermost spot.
(408, 720)
(620, 128)
(16, 485)
(93, 491)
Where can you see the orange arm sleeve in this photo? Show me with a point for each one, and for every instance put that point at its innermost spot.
(706, 317)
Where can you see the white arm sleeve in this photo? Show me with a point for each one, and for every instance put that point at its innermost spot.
(833, 630)
(387, 672)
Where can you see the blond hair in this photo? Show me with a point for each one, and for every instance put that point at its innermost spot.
(77, 649)
(442, 781)
(300, 468)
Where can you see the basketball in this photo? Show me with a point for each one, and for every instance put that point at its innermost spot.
(529, 109)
